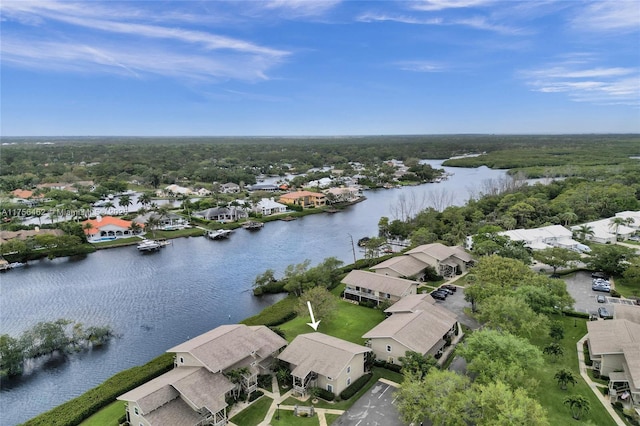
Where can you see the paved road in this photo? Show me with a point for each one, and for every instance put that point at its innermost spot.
(374, 408)
(579, 287)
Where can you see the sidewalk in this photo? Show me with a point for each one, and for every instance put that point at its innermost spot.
(594, 386)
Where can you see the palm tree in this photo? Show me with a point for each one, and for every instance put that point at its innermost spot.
(125, 201)
(578, 404)
(568, 217)
(564, 377)
(151, 224)
(135, 227)
(108, 206)
(583, 231)
(616, 222)
(145, 199)
(555, 350)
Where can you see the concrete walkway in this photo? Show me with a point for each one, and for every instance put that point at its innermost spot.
(594, 386)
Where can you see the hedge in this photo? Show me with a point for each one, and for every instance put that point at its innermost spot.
(576, 314)
(255, 395)
(326, 395)
(354, 387)
(78, 409)
(274, 315)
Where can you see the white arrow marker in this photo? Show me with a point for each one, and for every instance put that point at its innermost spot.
(314, 324)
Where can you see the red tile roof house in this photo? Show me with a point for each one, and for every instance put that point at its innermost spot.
(107, 228)
(194, 392)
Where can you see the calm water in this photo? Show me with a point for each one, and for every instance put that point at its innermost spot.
(157, 300)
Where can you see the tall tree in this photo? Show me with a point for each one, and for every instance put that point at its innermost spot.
(496, 404)
(323, 303)
(556, 257)
(578, 405)
(513, 315)
(415, 364)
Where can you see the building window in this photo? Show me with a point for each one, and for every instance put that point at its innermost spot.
(330, 388)
(388, 296)
(348, 369)
(135, 410)
(181, 360)
(348, 381)
(388, 348)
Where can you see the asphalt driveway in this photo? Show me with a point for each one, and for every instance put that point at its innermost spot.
(374, 408)
(579, 287)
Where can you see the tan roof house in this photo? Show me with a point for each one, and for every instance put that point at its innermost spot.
(614, 348)
(305, 199)
(319, 360)
(424, 330)
(447, 261)
(193, 393)
(401, 267)
(364, 286)
(411, 303)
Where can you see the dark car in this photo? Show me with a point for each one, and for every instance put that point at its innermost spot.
(604, 313)
(453, 288)
(438, 295)
(445, 290)
(600, 274)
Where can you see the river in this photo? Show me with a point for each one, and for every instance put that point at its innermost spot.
(155, 301)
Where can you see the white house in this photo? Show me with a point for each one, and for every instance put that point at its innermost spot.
(268, 206)
(544, 237)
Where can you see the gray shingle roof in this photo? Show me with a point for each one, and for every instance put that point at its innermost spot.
(411, 303)
(378, 282)
(607, 337)
(628, 312)
(419, 331)
(320, 353)
(158, 391)
(228, 345)
(405, 266)
(442, 252)
(174, 413)
(632, 358)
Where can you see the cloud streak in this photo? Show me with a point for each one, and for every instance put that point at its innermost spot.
(581, 83)
(608, 16)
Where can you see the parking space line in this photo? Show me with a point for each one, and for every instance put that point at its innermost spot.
(383, 392)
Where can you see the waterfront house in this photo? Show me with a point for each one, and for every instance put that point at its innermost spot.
(263, 187)
(614, 349)
(305, 199)
(319, 360)
(167, 222)
(267, 207)
(364, 286)
(229, 188)
(604, 231)
(194, 392)
(107, 228)
(223, 214)
(177, 190)
(417, 325)
(447, 261)
(345, 194)
(402, 267)
(27, 234)
(543, 237)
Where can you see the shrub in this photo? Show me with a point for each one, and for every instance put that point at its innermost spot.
(264, 381)
(325, 394)
(355, 386)
(255, 395)
(367, 304)
(587, 358)
(273, 287)
(576, 314)
(614, 293)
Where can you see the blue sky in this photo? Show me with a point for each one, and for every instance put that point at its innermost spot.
(296, 67)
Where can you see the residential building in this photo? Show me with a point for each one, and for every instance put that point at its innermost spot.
(267, 207)
(167, 222)
(614, 348)
(344, 194)
(194, 392)
(402, 267)
(107, 228)
(418, 325)
(543, 237)
(447, 261)
(177, 190)
(263, 187)
(25, 234)
(319, 360)
(305, 199)
(364, 286)
(605, 231)
(223, 214)
(230, 188)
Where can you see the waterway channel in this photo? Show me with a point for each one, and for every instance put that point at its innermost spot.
(155, 301)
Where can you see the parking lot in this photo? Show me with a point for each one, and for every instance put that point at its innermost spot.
(579, 287)
(374, 408)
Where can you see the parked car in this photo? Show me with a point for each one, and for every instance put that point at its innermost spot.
(453, 288)
(446, 290)
(601, 299)
(600, 274)
(604, 313)
(597, 287)
(438, 295)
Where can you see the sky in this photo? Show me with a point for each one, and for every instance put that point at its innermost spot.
(318, 68)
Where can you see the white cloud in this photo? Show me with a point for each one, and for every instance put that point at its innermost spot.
(300, 8)
(421, 66)
(608, 16)
(584, 83)
(435, 5)
(405, 19)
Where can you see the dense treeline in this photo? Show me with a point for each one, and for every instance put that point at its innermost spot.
(156, 161)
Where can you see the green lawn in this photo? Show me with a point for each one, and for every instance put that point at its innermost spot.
(331, 418)
(178, 233)
(118, 242)
(253, 414)
(286, 418)
(627, 288)
(549, 393)
(108, 416)
(350, 322)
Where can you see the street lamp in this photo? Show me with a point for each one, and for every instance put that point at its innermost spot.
(278, 412)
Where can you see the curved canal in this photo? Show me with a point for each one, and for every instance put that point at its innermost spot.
(158, 300)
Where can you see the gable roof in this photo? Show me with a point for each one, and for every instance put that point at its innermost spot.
(22, 193)
(23, 234)
(418, 331)
(105, 221)
(608, 337)
(628, 312)
(441, 252)
(406, 266)
(163, 398)
(378, 282)
(411, 303)
(320, 353)
(632, 359)
(228, 345)
(299, 194)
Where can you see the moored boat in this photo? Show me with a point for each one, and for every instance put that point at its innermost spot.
(219, 234)
(252, 225)
(149, 245)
